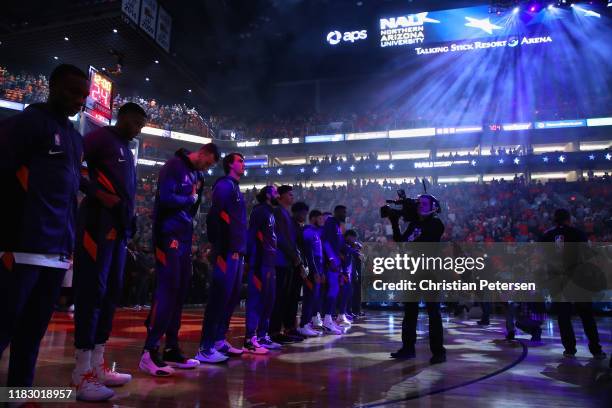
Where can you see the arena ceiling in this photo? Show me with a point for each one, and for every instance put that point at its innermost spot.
(216, 44)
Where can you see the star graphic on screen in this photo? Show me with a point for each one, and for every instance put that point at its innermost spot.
(608, 156)
(562, 159)
(484, 24)
(545, 159)
(517, 160)
(501, 161)
(591, 157)
(391, 296)
(423, 17)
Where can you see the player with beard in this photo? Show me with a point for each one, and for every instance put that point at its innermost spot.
(262, 275)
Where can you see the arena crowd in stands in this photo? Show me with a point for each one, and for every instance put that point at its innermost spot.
(28, 88)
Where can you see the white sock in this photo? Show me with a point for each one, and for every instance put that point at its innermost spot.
(83, 361)
(97, 355)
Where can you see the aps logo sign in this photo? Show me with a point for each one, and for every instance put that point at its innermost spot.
(336, 37)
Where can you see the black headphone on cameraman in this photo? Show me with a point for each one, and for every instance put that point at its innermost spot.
(435, 204)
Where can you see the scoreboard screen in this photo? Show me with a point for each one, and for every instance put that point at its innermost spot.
(100, 99)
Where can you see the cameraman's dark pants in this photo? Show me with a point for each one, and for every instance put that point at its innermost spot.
(355, 305)
(409, 325)
(568, 338)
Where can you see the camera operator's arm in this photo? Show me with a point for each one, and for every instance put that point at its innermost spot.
(397, 234)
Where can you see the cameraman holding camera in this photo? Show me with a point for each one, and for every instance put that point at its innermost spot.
(424, 226)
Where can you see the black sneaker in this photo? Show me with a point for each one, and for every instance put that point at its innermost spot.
(175, 358)
(437, 359)
(510, 335)
(297, 337)
(599, 355)
(282, 339)
(569, 353)
(403, 353)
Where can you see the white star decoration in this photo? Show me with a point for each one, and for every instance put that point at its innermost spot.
(562, 159)
(517, 160)
(484, 24)
(608, 156)
(545, 159)
(591, 157)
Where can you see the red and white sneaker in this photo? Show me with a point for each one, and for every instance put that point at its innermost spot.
(89, 388)
(109, 377)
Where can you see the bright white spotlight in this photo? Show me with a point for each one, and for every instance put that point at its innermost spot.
(550, 7)
(516, 10)
(210, 172)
